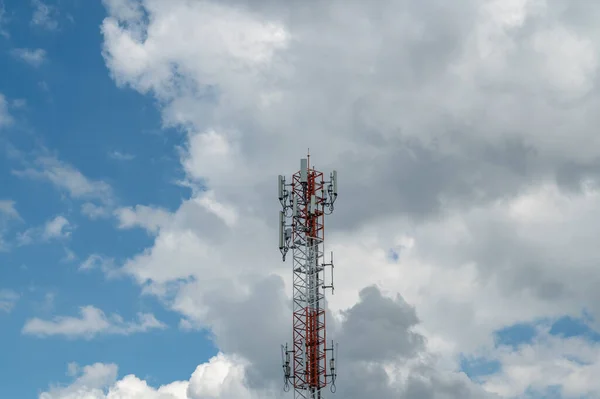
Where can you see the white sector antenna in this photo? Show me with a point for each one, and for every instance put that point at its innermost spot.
(281, 184)
(303, 170)
(281, 224)
(334, 178)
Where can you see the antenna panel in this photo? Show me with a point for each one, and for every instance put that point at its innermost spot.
(281, 182)
(335, 182)
(303, 170)
(295, 206)
(281, 224)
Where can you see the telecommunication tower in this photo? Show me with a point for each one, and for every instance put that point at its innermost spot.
(305, 202)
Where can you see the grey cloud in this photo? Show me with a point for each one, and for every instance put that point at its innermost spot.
(550, 261)
(378, 329)
(375, 330)
(570, 174)
(420, 181)
(404, 136)
(254, 327)
(362, 381)
(501, 251)
(426, 383)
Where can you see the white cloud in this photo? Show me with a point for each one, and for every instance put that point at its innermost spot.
(570, 363)
(94, 211)
(124, 9)
(147, 217)
(104, 264)
(7, 207)
(121, 156)
(89, 384)
(66, 177)
(464, 146)
(92, 322)
(44, 15)
(220, 377)
(8, 300)
(34, 57)
(57, 228)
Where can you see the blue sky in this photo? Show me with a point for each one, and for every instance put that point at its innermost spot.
(76, 142)
(74, 112)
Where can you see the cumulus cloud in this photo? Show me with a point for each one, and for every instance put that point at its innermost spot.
(92, 322)
(142, 216)
(549, 361)
(34, 57)
(463, 135)
(231, 377)
(367, 319)
(90, 382)
(56, 228)
(221, 377)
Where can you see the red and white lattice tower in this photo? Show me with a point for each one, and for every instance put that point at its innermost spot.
(305, 202)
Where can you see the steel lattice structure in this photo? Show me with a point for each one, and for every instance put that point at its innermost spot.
(305, 202)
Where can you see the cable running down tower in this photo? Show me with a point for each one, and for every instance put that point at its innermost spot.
(305, 202)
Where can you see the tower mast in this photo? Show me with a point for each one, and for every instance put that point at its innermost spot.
(305, 202)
